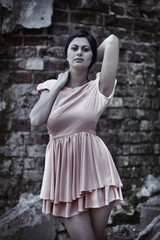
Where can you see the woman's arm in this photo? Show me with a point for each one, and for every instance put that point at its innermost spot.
(109, 52)
(40, 112)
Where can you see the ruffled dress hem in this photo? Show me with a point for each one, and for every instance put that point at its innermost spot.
(91, 199)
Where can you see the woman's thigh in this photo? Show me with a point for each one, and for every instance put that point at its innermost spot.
(79, 227)
(99, 218)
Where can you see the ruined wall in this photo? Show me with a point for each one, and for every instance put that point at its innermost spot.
(130, 127)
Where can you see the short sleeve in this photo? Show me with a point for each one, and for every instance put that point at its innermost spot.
(47, 85)
(107, 101)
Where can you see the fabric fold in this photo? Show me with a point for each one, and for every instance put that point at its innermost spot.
(72, 173)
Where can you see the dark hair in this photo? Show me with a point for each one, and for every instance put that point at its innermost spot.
(91, 40)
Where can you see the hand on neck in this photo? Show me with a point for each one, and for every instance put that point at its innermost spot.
(77, 78)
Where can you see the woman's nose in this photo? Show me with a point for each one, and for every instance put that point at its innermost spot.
(79, 52)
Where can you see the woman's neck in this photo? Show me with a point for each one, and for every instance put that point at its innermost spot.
(77, 78)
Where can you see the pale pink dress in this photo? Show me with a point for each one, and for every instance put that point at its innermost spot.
(79, 170)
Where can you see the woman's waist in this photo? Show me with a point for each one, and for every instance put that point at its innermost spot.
(59, 136)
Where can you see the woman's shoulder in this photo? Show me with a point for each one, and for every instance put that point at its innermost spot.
(47, 85)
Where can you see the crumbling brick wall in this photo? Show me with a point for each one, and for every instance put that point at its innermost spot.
(130, 127)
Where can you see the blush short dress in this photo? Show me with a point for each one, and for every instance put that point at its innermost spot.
(79, 170)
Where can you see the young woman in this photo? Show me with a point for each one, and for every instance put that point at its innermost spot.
(80, 182)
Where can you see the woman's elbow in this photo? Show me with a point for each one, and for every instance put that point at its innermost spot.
(113, 40)
(34, 121)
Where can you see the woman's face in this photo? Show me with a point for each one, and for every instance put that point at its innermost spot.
(79, 53)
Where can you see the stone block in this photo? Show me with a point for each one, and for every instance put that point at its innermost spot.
(13, 151)
(32, 175)
(117, 102)
(151, 232)
(35, 64)
(29, 163)
(150, 186)
(36, 150)
(25, 221)
(29, 15)
(149, 210)
(113, 113)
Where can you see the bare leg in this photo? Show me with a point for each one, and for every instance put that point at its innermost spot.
(99, 218)
(79, 227)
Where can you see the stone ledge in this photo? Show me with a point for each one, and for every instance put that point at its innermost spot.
(25, 221)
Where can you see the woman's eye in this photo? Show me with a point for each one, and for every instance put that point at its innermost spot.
(86, 49)
(74, 48)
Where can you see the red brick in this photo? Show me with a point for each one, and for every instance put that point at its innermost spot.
(58, 41)
(17, 64)
(58, 29)
(11, 40)
(32, 31)
(144, 37)
(2, 139)
(57, 52)
(36, 41)
(25, 52)
(55, 65)
(21, 126)
(39, 77)
(60, 4)
(4, 65)
(31, 139)
(102, 7)
(84, 18)
(117, 9)
(147, 25)
(45, 138)
(20, 77)
(100, 20)
(6, 53)
(122, 22)
(109, 19)
(60, 16)
(3, 126)
(133, 11)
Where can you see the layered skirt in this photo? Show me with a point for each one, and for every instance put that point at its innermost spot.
(79, 174)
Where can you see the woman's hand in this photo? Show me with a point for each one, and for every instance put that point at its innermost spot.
(62, 79)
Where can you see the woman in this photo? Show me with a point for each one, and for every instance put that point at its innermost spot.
(80, 181)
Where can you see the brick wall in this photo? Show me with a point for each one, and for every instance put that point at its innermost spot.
(130, 127)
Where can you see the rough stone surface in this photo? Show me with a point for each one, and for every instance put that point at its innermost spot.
(130, 127)
(152, 231)
(25, 221)
(29, 14)
(149, 210)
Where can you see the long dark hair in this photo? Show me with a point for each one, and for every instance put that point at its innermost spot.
(91, 40)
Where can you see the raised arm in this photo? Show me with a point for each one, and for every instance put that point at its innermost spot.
(108, 52)
(40, 112)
